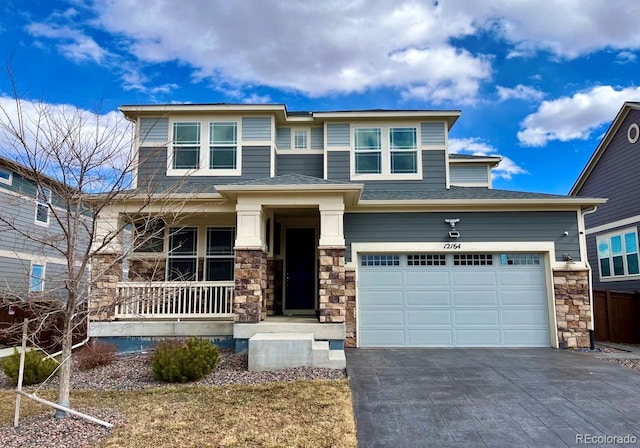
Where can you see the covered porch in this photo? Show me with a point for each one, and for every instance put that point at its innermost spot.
(256, 255)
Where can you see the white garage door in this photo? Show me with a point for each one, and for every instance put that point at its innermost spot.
(452, 300)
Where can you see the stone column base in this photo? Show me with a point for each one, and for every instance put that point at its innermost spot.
(573, 309)
(106, 272)
(251, 283)
(333, 300)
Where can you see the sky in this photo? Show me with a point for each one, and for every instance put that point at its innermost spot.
(537, 82)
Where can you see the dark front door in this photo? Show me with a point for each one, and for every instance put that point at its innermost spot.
(300, 271)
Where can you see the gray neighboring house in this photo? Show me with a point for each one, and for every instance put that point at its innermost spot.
(612, 232)
(356, 227)
(27, 269)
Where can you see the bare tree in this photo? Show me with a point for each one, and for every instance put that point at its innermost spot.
(81, 163)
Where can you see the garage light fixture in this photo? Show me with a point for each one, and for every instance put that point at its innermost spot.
(567, 257)
(453, 233)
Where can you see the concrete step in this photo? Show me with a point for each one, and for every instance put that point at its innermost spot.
(273, 351)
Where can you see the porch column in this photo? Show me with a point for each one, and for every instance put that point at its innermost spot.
(333, 299)
(250, 264)
(106, 266)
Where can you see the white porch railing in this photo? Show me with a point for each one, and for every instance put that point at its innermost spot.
(174, 300)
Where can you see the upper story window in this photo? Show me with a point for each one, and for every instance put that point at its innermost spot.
(223, 145)
(368, 150)
(220, 156)
(6, 176)
(403, 149)
(386, 150)
(43, 200)
(300, 140)
(186, 145)
(618, 254)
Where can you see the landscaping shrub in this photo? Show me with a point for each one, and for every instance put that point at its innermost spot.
(96, 354)
(36, 367)
(182, 361)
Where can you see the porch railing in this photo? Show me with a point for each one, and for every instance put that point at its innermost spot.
(174, 300)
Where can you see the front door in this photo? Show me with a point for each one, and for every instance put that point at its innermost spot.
(300, 271)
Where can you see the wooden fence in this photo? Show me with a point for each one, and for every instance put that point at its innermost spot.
(617, 316)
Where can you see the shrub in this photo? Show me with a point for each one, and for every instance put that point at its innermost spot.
(182, 361)
(96, 354)
(37, 368)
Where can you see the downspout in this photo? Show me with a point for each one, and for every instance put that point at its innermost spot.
(592, 338)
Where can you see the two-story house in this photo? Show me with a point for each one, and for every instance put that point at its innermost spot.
(30, 267)
(356, 226)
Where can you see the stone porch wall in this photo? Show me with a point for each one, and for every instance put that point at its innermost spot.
(350, 292)
(249, 301)
(573, 309)
(106, 272)
(333, 300)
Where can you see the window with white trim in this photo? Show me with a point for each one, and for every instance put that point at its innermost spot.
(186, 145)
(618, 254)
(426, 260)
(380, 260)
(36, 277)
(403, 148)
(223, 145)
(182, 258)
(43, 201)
(473, 260)
(519, 259)
(219, 256)
(6, 176)
(300, 139)
(368, 150)
(149, 235)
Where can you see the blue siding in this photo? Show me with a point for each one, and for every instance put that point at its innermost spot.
(256, 129)
(468, 174)
(432, 133)
(256, 163)
(154, 130)
(306, 164)
(473, 227)
(338, 166)
(338, 134)
(615, 177)
(283, 138)
(317, 138)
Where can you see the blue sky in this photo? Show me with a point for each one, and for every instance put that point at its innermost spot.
(537, 85)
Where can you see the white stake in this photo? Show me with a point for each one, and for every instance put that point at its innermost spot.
(25, 326)
(66, 409)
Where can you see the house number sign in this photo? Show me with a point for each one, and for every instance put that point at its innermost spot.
(633, 133)
(452, 246)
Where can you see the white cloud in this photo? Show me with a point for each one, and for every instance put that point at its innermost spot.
(519, 92)
(625, 57)
(474, 146)
(74, 44)
(575, 117)
(254, 98)
(342, 46)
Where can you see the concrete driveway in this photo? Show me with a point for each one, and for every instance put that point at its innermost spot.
(491, 398)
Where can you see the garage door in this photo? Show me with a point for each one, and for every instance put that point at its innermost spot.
(449, 300)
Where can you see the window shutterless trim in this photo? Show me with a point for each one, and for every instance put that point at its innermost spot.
(6, 176)
(43, 202)
(33, 279)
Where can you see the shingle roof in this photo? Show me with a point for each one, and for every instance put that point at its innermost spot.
(452, 194)
(289, 179)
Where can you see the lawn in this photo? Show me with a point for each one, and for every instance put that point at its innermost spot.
(301, 414)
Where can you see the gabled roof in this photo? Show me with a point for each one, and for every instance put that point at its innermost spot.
(289, 179)
(604, 143)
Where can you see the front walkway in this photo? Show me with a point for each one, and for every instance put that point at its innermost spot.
(490, 397)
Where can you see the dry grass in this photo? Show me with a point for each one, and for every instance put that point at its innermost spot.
(301, 414)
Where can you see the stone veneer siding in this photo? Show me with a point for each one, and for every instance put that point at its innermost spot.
(106, 272)
(270, 291)
(350, 292)
(141, 270)
(251, 284)
(573, 308)
(333, 300)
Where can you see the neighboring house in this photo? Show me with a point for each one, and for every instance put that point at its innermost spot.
(358, 227)
(28, 268)
(612, 232)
